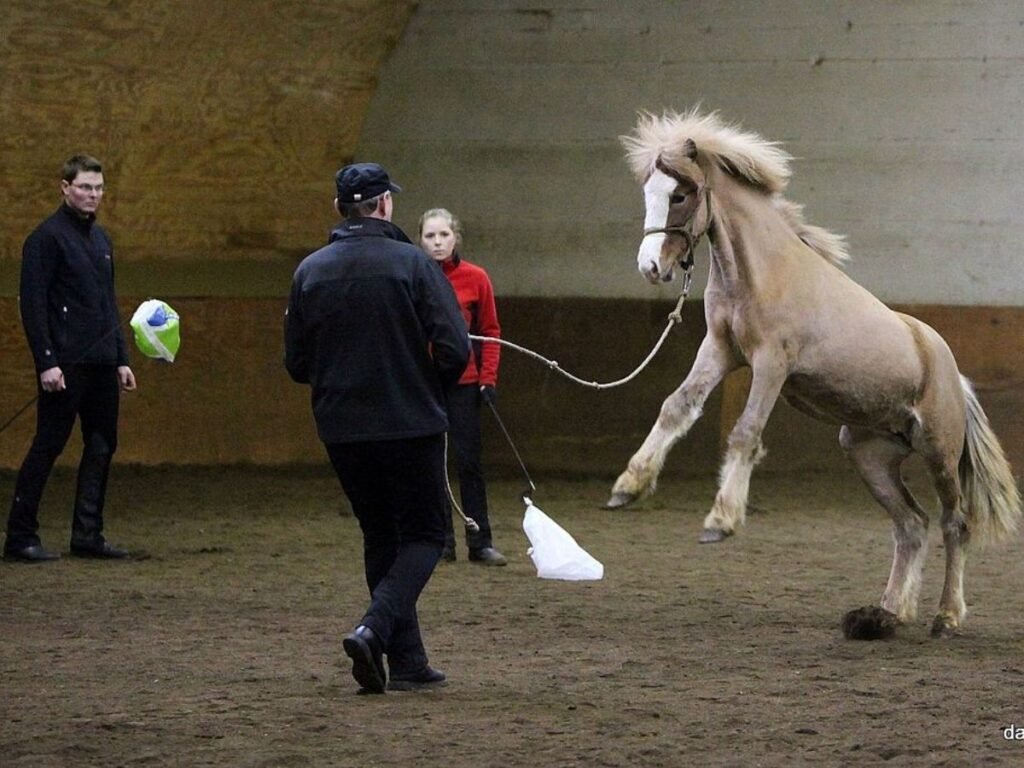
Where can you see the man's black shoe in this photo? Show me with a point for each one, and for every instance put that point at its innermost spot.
(448, 554)
(425, 679)
(363, 647)
(487, 556)
(31, 554)
(104, 551)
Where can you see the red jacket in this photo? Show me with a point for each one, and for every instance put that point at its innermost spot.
(476, 300)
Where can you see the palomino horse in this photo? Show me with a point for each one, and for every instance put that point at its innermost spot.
(777, 301)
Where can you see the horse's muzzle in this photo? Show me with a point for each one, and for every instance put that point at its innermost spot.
(653, 274)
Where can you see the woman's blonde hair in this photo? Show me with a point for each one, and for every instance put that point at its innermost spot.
(441, 213)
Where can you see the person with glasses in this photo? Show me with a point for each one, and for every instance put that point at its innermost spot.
(69, 313)
(375, 330)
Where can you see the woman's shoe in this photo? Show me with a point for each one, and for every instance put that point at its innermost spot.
(487, 556)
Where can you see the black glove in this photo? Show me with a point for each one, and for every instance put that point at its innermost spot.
(488, 394)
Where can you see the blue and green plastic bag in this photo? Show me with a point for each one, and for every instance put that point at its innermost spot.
(157, 334)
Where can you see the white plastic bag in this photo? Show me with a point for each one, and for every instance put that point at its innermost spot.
(555, 553)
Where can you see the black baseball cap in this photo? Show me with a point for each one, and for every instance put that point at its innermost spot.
(359, 182)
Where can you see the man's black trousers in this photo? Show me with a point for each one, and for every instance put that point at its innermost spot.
(92, 395)
(397, 492)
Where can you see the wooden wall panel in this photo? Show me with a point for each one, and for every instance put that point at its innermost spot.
(220, 124)
(225, 399)
(228, 400)
(987, 344)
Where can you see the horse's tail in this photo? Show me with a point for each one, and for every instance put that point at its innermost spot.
(991, 500)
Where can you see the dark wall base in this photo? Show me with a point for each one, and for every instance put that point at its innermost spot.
(227, 399)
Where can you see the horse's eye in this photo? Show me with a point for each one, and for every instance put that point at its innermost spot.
(677, 198)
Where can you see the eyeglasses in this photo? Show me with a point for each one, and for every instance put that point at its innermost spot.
(89, 188)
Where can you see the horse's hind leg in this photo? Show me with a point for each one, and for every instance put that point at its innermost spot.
(678, 413)
(955, 538)
(878, 460)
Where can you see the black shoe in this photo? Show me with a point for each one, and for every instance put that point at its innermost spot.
(425, 679)
(487, 556)
(104, 551)
(363, 647)
(448, 554)
(30, 554)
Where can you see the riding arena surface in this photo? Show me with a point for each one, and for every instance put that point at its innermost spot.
(221, 645)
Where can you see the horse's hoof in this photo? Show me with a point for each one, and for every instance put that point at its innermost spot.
(620, 499)
(942, 628)
(870, 623)
(713, 535)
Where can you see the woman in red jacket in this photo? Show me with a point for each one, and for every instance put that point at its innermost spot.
(440, 235)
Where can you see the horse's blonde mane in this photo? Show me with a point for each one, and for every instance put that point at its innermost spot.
(828, 245)
(748, 156)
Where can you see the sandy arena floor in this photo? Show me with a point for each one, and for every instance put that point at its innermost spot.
(222, 648)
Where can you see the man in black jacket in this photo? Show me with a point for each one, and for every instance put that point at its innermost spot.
(374, 328)
(71, 321)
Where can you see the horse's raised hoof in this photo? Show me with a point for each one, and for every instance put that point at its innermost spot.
(869, 623)
(620, 499)
(713, 535)
(942, 627)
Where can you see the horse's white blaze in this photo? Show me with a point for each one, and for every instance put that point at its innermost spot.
(656, 195)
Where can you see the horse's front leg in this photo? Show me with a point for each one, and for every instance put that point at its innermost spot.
(745, 450)
(678, 413)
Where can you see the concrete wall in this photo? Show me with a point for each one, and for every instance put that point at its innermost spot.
(904, 116)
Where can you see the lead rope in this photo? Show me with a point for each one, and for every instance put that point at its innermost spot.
(674, 317)
(471, 524)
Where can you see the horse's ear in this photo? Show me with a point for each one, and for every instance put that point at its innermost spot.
(690, 148)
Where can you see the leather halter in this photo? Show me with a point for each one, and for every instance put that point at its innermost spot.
(686, 257)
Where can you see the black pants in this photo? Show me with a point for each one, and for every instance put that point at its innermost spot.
(465, 445)
(92, 395)
(396, 488)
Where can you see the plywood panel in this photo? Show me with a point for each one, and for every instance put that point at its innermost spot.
(986, 342)
(227, 399)
(220, 124)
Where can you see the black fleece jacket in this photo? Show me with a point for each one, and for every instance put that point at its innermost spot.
(67, 301)
(374, 327)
